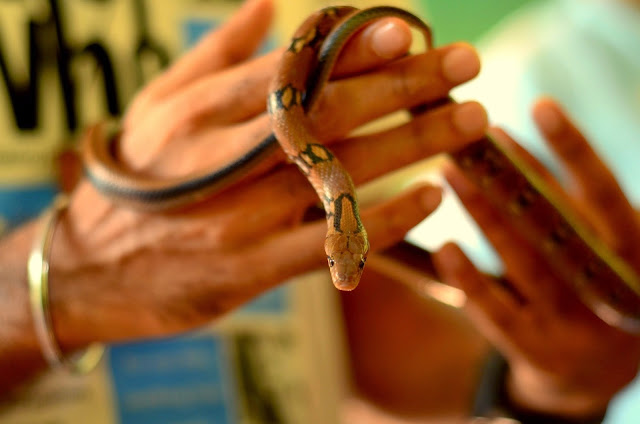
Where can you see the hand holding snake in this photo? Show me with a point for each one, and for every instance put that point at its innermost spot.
(175, 270)
(605, 282)
(554, 236)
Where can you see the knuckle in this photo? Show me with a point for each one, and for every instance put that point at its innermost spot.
(415, 80)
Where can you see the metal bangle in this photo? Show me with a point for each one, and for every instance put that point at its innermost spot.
(38, 276)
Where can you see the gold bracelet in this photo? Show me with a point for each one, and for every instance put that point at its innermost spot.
(38, 275)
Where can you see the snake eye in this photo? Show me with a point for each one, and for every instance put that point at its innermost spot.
(331, 261)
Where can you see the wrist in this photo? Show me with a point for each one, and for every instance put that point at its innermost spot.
(39, 294)
(530, 391)
(20, 355)
(87, 261)
(76, 301)
(501, 394)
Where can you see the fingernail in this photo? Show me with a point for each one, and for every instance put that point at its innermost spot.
(470, 119)
(460, 64)
(389, 40)
(431, 197)
(548, 118)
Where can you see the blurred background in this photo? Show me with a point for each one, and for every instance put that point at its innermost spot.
(67, 63)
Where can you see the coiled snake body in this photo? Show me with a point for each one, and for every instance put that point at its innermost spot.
(606, 284)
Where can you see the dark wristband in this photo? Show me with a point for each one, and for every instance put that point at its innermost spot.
(492, 399)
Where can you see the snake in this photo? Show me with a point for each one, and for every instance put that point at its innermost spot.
(608, 285)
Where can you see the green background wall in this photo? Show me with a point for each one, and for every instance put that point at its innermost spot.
(455, 20)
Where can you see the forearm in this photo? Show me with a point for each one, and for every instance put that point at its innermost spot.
(20, 356)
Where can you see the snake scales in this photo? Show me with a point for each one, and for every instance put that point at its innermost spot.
(605, 283)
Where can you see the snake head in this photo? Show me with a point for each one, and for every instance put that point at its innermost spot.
(346, 255)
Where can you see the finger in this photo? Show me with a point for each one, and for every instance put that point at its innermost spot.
(368, 157)
(552, 184)
(492, 308)
(529, 275)
(377, 44)
(224, 98)
(302, 249)
(239, 93)
(281, 197)
(441, 130)
(365, 157)
(402, 84)
(233, 42)
(512, 147)
(211, 147)
(594, 184)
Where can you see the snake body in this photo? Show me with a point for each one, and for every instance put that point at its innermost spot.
(606, 284)
(346, 243)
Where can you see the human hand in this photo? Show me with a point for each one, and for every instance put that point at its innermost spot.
(119, 274)
(563, 359)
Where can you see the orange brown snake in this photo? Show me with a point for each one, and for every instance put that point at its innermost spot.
(605, 283)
